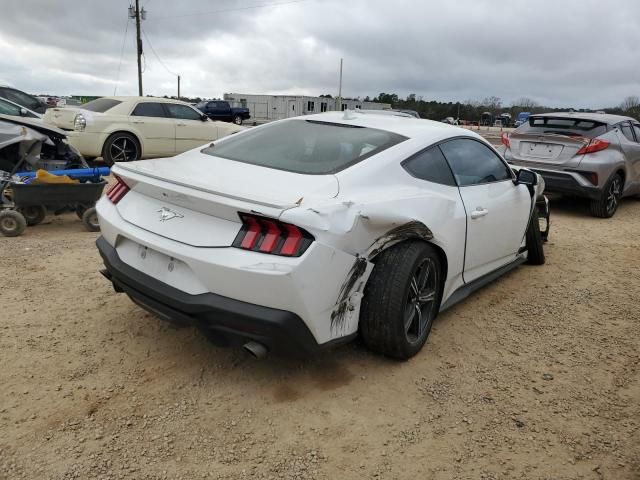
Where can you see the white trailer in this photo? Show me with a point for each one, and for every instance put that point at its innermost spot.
(266, 108)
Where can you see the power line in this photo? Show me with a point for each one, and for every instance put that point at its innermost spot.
(124, 39)
(262, 5)
(156, 55)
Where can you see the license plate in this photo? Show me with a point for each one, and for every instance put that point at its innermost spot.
(162, 267)
(541, 150)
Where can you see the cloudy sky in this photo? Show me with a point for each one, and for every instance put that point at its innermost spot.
(569, 53)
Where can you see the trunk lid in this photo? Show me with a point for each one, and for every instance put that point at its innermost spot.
(195, 198)
(551, 148)
(63, 117)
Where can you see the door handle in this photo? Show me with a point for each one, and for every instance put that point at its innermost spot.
(479, 212)
(181, 124)
(137, 121)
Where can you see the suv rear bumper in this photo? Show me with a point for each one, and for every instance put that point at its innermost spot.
(563, 181)
(232, 322)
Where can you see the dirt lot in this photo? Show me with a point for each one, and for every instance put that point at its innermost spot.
(535, 377)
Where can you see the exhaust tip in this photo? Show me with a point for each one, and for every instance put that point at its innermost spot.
(257, 350)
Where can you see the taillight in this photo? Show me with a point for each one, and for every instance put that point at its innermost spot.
(505, 140)
(266, 235)
(117, 191)
(594, 145)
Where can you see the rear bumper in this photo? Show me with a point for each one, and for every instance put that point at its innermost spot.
(562, 181)
(233, 321)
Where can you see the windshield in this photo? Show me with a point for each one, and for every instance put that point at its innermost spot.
(305, 146)
(563, 126)
(101, 105)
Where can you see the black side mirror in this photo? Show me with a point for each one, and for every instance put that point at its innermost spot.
(527, 177)
(204, 117)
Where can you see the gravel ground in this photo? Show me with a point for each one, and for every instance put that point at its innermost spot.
(534, 377)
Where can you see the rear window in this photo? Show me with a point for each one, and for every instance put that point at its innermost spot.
(101, 105)
(563, 126)
(305, 146)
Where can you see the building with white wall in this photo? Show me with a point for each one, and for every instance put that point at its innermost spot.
(266, 108)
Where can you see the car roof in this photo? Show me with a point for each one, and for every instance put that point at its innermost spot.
(597, 117)
(146, 99)
(428, 131)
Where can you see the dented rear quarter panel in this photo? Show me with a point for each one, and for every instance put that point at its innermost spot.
(375, 209)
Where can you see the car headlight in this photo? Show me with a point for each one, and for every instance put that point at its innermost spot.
(80, 123)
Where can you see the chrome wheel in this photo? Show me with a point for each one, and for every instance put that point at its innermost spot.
(123, 149)
(422, 295)
(613, 195)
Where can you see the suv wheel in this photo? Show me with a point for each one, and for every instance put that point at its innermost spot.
(237, 120)
(607, 204)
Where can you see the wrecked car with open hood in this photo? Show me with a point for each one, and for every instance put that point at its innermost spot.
(305, 232)
(46, 146)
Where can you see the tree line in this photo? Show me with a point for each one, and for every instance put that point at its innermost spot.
(472, 110)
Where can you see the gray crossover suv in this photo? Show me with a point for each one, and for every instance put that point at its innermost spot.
(592, 155)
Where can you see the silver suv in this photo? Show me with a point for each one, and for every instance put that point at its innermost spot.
(591, 155)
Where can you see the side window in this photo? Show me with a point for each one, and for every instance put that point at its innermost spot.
(625, 128)
(636, 128)
(182, 112)
(430, 165)
(7, 108)
(148, 109)
(474, 163)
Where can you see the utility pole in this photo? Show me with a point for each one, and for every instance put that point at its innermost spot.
(339, 100)
(178, 87)
(139, 15)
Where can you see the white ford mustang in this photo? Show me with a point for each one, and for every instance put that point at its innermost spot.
(305, 232)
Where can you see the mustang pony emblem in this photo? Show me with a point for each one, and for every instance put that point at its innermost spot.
(166, 214)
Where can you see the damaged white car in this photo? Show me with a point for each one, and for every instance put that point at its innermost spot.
(306, 232)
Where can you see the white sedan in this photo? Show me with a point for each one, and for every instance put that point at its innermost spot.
(123, 129)
(305, 232)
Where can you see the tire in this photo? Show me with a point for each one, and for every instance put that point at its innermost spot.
(389, 320)
(34, 214)
(534, 242)
(81, 208)
(90, 219)
(12, 223)
(121, 147)
(237, 119)
(607, 204)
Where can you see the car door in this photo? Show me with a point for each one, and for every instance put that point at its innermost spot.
(629, 135)
(218, 111)
(191, 130)
(497, 209)
(156, 130)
